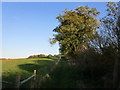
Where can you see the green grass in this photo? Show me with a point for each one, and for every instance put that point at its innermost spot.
(61, 77)
(25, 68)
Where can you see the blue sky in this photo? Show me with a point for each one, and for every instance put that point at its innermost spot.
(27, 26)
(60, 0)
(0, 29)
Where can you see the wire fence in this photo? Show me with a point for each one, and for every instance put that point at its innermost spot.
(18, 81)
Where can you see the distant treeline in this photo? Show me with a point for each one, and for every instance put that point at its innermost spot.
(3, 59)
(43, 56)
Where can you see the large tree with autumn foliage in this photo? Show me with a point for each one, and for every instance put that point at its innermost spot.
(75, 30)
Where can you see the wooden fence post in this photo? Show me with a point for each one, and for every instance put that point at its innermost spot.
(34, 74)
(17, 82)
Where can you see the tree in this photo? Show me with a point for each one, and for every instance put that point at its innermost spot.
(76, 28)
(37, 56)
(49, 56)
(110, 25)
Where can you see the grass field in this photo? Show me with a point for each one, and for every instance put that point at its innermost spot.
(24, 67)
(62, 76)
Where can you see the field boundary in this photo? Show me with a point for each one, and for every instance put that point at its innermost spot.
(54, 66)
(18, 83)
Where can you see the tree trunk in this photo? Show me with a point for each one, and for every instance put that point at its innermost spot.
(116, 73)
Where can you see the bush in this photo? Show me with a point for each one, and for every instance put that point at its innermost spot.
(37, 56)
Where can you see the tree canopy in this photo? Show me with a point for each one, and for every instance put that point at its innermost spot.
(76, 27)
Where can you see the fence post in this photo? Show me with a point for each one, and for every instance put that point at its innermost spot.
(17, 82)
(34, 74)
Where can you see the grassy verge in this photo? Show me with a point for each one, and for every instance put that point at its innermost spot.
(65, 76)
(61, 77)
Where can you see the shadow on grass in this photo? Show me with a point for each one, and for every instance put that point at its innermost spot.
(42, 66)
(29, 67)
